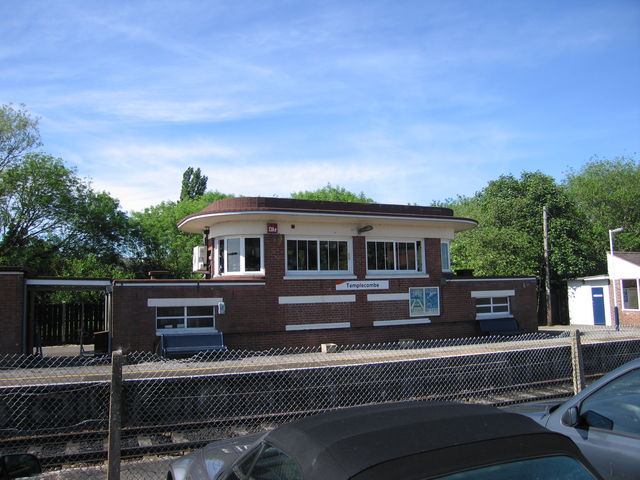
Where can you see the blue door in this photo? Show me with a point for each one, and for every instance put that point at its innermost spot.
(597, 298)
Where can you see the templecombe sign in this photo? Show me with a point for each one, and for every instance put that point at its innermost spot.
(363, 285)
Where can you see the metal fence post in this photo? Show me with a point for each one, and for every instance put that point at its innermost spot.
(577, 365)
(115, 416)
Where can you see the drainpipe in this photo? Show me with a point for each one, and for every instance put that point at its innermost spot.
(24, 315)
(616, 313)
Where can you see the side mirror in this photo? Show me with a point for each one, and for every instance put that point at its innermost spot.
(571, 418)
(19, 465)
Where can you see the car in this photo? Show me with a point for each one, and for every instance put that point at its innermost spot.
(19, 465)
(400, 440)
(603, 420)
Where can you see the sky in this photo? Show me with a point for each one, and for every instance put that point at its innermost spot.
(408, 101)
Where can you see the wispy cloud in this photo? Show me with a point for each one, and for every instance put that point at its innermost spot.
(406, 101)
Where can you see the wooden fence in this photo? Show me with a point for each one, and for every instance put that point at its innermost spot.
(62, 324)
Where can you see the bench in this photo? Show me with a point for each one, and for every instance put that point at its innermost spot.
(100, 343)
(500, 326)
(190, 343)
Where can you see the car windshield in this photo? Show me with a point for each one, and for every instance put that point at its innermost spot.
(616, 406)
(547, 468)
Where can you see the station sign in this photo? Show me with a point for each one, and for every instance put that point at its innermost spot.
(363, 285)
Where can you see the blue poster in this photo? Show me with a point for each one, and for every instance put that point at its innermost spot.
(424, 301)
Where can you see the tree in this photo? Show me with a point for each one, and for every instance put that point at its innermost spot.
(194, 184)
(333, 194)
(164, 246)
(49, 217)
(509, 238)
(18, 134)
(48, 214)
(608, 193)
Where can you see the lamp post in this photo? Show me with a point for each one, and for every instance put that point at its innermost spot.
(615, 295)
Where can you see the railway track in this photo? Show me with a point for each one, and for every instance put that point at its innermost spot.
(85, 447)
(60, 414)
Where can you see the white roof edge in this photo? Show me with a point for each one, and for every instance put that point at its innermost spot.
(321, 214)
(604, 276)
(489, 279)
(68, 282)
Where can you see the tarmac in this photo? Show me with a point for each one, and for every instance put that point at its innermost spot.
(73, 350)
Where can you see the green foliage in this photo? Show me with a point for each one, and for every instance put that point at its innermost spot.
(194, 184)
(509, 238)
(86, 266)
(333, 194)
(164, 246)
(37, 198)
(608, 193)
(18, 134)
(48, 216)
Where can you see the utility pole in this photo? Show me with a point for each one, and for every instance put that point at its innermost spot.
(547, 269)
(616, 313)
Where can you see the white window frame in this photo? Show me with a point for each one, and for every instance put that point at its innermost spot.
(622, 293)
(420, 257)
(242, 271)
(445, 245)
(185, 317)
(317, 273)
(494, 294)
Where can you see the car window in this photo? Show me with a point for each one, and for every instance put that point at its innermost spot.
(242, 468)
(547, 468)
(616, 406)
(273, 464)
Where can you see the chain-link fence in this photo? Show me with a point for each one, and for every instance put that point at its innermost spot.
(58, 408)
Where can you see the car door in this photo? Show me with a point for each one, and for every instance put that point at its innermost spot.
(606, 426)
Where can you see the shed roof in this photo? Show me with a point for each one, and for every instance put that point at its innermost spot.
(631, 257)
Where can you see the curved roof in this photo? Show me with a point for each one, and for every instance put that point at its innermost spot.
(259, 207)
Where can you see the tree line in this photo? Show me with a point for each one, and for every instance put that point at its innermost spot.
(53, 222)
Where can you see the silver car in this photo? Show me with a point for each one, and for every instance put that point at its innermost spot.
(603, 421)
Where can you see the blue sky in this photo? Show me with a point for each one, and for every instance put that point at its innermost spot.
(406, 101)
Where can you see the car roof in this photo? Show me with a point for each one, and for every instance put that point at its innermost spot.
(341, 443)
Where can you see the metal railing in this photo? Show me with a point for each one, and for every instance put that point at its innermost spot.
(125, 415)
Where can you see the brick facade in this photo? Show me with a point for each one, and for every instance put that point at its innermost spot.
(629, 318)
(12, 310)
(283, 306)
(255, 318)
(624, 266)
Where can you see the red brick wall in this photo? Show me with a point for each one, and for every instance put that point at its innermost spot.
(255, 320)
(629, 318)
(459, 304)
(11, 311)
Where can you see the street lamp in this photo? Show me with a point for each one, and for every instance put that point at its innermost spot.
(615, 295)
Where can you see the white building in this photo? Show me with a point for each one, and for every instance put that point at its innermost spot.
(592, 300)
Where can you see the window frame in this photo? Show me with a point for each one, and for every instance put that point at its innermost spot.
(185, 320)
(318, 272)
(492, 295)
(624, 293)
(420, 257)
(242, 256)
(445, 245)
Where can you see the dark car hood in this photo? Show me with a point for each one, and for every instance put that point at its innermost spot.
(538, 411)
